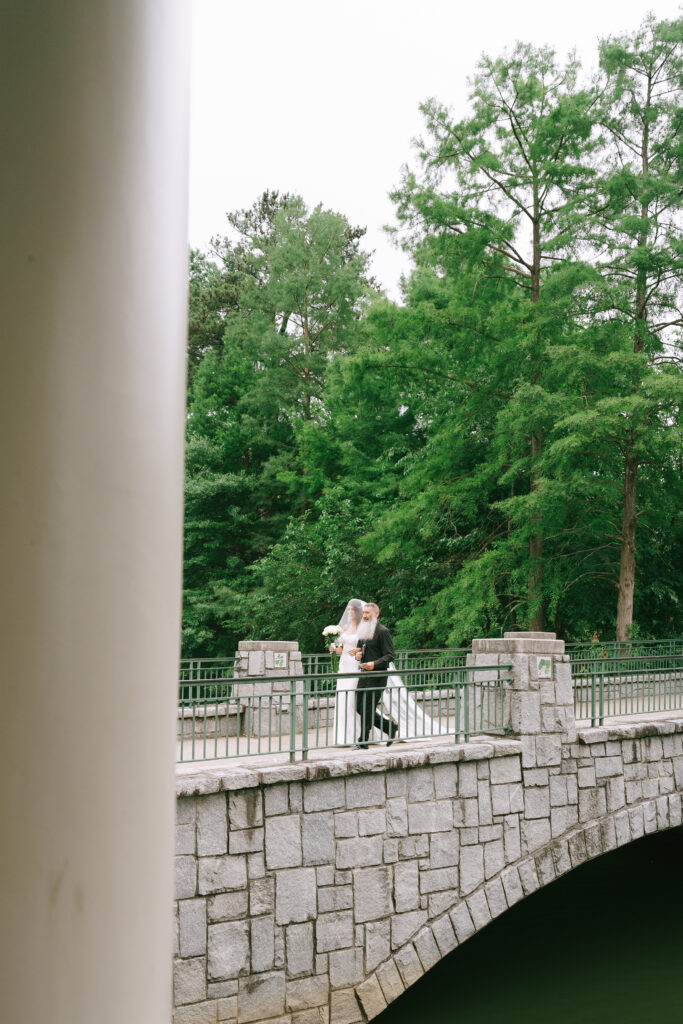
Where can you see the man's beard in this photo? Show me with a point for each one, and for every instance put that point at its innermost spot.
(366, 629)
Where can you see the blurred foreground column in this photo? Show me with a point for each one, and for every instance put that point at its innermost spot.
(92, 335)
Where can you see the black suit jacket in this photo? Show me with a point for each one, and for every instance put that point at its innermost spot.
(380, 649)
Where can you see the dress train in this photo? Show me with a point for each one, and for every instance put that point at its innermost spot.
(399, 704)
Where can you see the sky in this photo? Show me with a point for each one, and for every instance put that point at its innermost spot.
(322, 99)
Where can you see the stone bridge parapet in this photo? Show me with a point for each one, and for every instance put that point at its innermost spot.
(316, 893)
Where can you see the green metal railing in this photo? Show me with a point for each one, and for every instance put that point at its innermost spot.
(610, 680)
(195, 673)
(629, 685)
(316, 664)
(205, 678)
(321, 664)
(596, 651)
(428, 658)
(432, 658)
(206, 669)
(198, 669)
(447, 701)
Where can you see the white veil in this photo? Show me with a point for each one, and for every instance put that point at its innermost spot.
(353, 613)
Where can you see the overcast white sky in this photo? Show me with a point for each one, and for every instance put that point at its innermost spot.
(321, 98)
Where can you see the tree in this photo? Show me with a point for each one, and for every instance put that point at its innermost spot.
(297, 282)
(638, 237)
(355, 453)
(500, 196)
(491, 453)
(307, 277)
(212, 294)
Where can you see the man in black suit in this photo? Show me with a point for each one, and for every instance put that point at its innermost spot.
(376, 655)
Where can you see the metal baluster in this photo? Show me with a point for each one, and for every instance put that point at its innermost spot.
(292, 720)
(467, 712)
(216, 729)
(304, 723)
(270, 723)
(457, 713)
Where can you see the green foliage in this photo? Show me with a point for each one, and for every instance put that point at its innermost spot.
(287, 296)
(503, 448)
(305, 580)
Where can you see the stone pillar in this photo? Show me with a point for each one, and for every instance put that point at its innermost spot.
(258, 665)
(539, 706)
(93, 308)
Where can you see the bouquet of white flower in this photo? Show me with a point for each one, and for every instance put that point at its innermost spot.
(332, 634)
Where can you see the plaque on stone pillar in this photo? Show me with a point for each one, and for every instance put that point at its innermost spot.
(544, 668)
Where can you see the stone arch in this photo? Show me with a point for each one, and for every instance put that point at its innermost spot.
(531, 873)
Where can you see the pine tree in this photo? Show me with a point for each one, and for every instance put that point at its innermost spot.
(639, 241)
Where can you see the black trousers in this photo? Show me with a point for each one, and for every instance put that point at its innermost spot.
(368, 695)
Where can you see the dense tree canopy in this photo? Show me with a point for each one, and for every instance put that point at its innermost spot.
(502, 449)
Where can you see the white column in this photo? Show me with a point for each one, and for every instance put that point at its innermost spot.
(92, 332)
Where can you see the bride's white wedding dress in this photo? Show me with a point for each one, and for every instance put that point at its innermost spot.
(399, 704)
(346, 723)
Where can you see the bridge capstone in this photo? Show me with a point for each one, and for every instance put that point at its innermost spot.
(317, 892)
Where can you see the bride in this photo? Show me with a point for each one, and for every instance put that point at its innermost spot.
(346, 723)
(396, 702)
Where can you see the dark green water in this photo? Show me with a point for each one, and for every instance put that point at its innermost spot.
(603, 945)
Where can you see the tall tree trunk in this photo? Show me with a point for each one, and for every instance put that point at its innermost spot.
(627, 561)
(307, 371)
(306, 504)
(536, 619)
(629, 515)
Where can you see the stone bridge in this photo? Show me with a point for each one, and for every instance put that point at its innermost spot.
(317, 892)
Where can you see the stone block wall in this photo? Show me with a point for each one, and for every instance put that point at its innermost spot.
(264, 672)
(317, 893)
